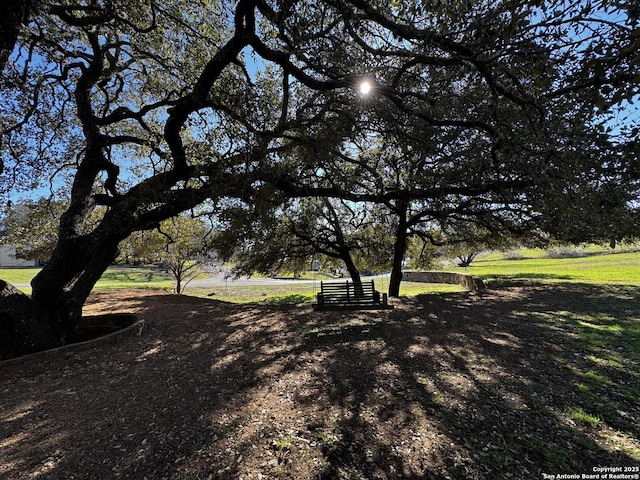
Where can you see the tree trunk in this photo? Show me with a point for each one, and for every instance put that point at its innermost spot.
(399, 250)
(465, 260)
(351, 268)
(178, 276)
(50, 317)
(25, 324)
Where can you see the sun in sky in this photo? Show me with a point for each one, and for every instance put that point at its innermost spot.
(365, 87)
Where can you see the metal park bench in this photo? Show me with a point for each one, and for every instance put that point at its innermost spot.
(350, 296)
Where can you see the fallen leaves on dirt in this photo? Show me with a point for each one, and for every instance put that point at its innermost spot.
(460, 385)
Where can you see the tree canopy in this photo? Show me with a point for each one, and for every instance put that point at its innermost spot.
(303, 232)
(499, 113)
(31, 227)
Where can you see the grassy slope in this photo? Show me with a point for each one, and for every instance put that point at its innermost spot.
(612, 269)
(599, 321)
(18, 275)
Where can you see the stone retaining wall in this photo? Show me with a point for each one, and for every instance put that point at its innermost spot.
(467, 281)
(134, 329)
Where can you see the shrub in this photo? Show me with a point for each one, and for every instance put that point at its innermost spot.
(513, 255)
(566, 252)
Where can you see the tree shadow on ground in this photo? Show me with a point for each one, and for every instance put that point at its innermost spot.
(504, 384)
(501, 392)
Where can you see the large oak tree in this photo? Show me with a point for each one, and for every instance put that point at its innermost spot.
(150, 108)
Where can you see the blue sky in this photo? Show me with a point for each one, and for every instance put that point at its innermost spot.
(629, 115)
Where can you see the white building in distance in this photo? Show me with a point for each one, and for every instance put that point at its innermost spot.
(8, 259)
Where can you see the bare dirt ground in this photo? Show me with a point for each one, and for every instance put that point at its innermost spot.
(445, 386)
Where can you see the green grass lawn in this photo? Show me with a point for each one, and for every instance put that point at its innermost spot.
(611, 269)
(593, 268)
(134, 275)
(304, 292)
(117, 276)
(18, 275)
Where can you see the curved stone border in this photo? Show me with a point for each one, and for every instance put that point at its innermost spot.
(467, 281)
(135, 329)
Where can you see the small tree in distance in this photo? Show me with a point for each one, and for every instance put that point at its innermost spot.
(177, 245)
(466, 241)
(185, 243)
(423, 253)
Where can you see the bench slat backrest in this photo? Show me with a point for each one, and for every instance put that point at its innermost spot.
(348, 286)
(348, 292)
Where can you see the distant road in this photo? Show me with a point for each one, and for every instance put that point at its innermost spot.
(217, 280)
